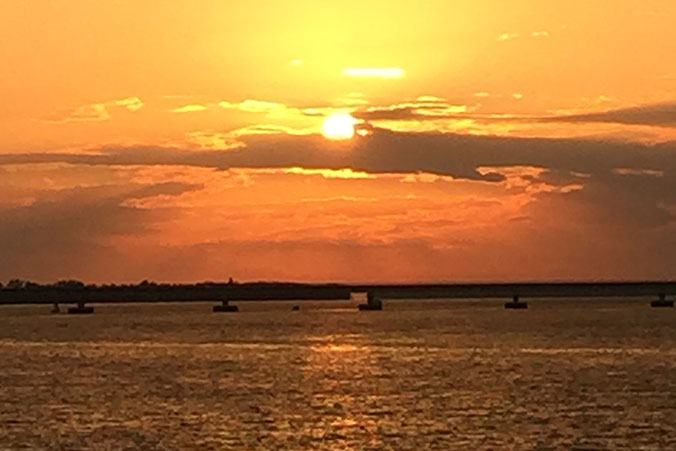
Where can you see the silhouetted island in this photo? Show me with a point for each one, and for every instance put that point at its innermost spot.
(71, 291)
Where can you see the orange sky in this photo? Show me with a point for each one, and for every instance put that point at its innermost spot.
(495, 141)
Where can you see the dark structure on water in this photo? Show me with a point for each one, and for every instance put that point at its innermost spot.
(662, 302)
(372, 302)
(516, 304)
(225, 307)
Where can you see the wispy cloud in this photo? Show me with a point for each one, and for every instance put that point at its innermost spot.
(374, 72)
(639, 172)
(130, 103)
(211, 140)
(652, 115)
(507, 36)
(510, 36)
(422, 108)
(191, 108)
(354, 99)
(661, 114)
(345, 173)
(94, 112)
(254, 106)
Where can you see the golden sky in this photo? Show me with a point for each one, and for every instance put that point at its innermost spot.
(394, 140)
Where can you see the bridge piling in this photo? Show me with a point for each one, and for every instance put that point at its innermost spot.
(225, 307)
(372, 302)
(81, 309)
(516, 304)
(662, 301)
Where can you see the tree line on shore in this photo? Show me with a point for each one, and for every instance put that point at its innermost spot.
(20, 284)
(22, 291)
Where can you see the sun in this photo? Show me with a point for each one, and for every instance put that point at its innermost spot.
(339, 126)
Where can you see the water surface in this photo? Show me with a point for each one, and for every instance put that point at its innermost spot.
(420, 374)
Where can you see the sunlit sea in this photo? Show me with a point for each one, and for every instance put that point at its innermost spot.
(577, 374)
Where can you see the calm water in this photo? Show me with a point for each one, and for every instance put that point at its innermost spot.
(419, 375)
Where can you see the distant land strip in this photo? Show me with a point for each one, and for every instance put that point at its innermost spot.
(17, 292)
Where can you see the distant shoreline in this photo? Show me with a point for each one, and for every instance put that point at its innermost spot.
(148, 292)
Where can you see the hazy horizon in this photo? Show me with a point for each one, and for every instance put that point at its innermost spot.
(4, 283)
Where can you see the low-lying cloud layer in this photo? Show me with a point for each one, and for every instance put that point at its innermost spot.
(386, 206)
(385, 151)
(655, 115)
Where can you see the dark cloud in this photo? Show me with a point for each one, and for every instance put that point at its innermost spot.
(613, 200)
(659, 115)
(408, 113)
(423, 109)
(65, 230)
(592, 164)
(387, 151)
(618, 225)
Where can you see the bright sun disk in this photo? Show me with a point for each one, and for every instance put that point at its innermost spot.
(339, 126)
